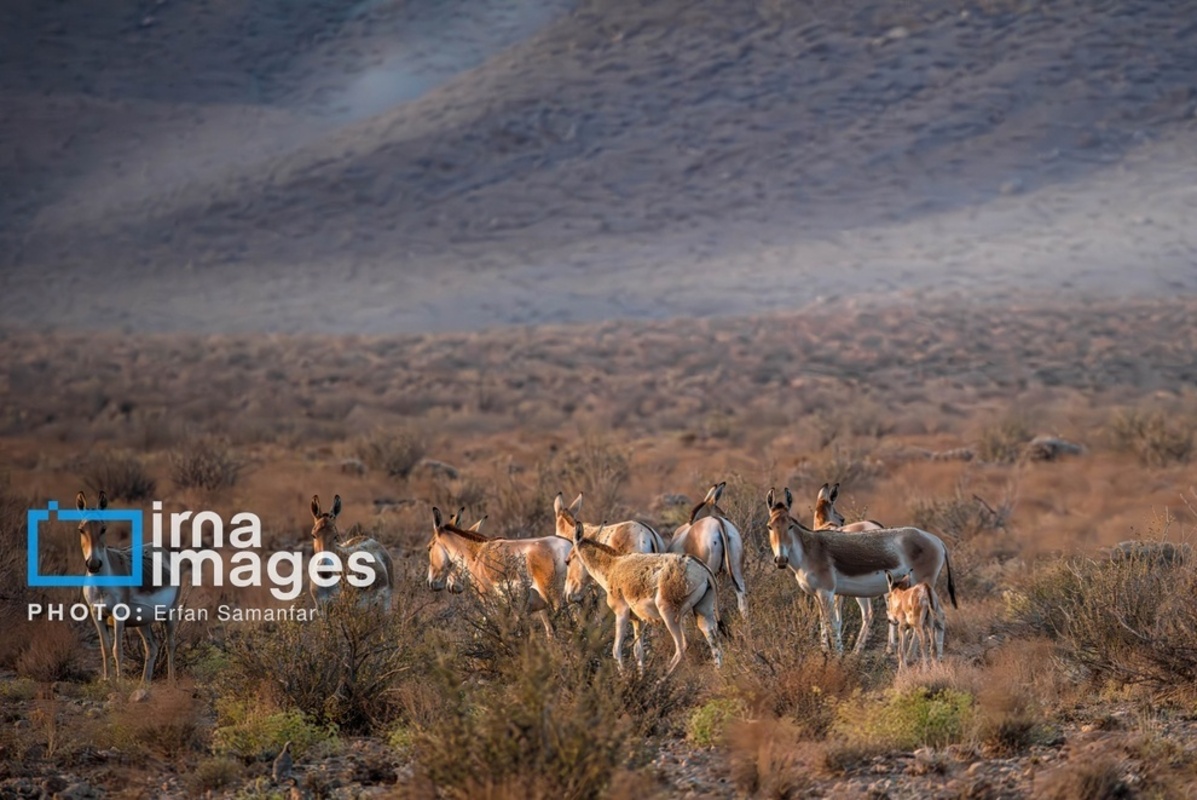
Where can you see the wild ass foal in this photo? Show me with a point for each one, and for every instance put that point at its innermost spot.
(653, 587)
(712, 538)
(915, 609)
(622, 537)
(324, 540)
(145, 603)
(827, 563)
(502, 566)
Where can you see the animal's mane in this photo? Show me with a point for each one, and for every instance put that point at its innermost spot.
(602, 548)
(714, 509)
(473, 536)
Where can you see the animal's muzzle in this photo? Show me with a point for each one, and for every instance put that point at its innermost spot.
(93, 566)
(781, 561)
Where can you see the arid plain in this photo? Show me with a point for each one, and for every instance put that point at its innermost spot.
(470, 254)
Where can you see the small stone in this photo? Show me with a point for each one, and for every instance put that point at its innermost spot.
(139, 695)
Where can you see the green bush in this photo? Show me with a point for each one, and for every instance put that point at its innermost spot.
(909, 719)
(708, 723)
(251, 730)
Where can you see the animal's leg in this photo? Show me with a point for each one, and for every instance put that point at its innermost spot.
(902, 649)
(939, 626)
(706, 614)
(866, 623)
(638, 643)
(149, 643)
(118, 645)
(170, 648)
(831, 621)
(673, 622)
(621, 629)
(105, 644)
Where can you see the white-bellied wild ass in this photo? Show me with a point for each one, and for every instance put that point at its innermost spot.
(622, 537)
(827, 563)
(499, 565)
(653, 587)
(357, 555)
(829, 518)
(915, 609)
(145, 603)
(711, 537)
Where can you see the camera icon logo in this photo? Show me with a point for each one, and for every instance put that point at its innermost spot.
(36, 516)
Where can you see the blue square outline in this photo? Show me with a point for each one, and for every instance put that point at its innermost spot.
(36, 516)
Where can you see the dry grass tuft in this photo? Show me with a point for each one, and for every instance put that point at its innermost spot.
(1155, 438)
(769, 759)
(121, 475)
(206, 463)
(51, 653)
(394, 452)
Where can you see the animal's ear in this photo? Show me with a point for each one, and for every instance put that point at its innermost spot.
(103, 501)
(316, 506)
(558, 502)
(835, 492)
(80, 501)
(456, 518)
(719, 487)
(579, 532)
(437, 521)
(710, 495)
(824, 492)
(771, 498)
(336, 509)
(477, 526)
(575, 507)
(789, 499)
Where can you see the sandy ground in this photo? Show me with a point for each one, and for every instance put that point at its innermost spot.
(387, 166)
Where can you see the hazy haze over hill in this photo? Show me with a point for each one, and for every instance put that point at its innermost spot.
(407, 166)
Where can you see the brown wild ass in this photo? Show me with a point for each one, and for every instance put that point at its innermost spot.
(653, 587)
(712, 538)
(374, 556)
(828, 518)
(915, 609)
(827, 563)
(146, 603)
(502, 566)
(622, 537)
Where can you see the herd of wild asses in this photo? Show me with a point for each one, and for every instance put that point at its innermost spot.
(645, 576)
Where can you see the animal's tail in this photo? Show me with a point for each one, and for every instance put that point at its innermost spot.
(736, 580)
(658, 542)
(951, 584)
(713, 585)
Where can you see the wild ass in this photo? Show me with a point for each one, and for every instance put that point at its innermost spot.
(712, 538)
(653, 587)
(145, 603)
(915, 609)
(828, 518)
(324, 540)
(498, 565)
(622, 537)
(827, 563)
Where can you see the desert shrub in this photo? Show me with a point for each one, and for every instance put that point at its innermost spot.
(769, 759)
(213, 774)
(205, 463)
(336, 670)
(803, 687)
(51, 653)
(1005, 441)
(393, 452)
(907, 719)
(251, 729)
(1154, 438)
(559, 724)
(708, 723)
(14, 589)
(166, 724)
(1085, 779)
(1131, 620)
(121, 475)
(598, 469)
(852, 467)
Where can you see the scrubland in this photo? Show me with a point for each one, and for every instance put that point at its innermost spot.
(1067, 674)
